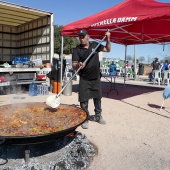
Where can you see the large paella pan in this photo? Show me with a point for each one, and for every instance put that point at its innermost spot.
(36, 122)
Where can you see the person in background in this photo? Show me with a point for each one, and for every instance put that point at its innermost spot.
(123, 64)
(132, 70)
(165, 66)
(89, 85)
(132, 67)
(155, 66)
(67, 67)
(117, 67)
(127, 64)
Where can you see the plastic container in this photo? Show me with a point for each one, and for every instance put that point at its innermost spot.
(68, 90)
(42, 89)
(25, 59)
(37, 62)
(45, 89)
(33, 90)
(13, 61)
(18, 60)
(112, 69)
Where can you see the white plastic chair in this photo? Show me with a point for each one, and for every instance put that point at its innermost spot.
(128, 74)
(104, 70)
(157, 76)
(123, 72)
(120, 72)
(166, 75)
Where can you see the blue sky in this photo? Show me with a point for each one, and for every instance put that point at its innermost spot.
(67, 11)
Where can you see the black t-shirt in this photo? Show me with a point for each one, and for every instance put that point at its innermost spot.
(155, 65)
(91, 70)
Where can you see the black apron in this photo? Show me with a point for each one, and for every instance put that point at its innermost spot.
(89, 89)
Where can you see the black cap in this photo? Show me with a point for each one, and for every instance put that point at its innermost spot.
(82, 32)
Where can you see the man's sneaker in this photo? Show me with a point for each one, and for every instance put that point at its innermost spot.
(100, 120)
(85, 125)
(92, 118)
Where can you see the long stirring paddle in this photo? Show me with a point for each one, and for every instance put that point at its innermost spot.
(54, 100)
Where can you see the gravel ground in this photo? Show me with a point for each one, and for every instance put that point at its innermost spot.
(137, 133)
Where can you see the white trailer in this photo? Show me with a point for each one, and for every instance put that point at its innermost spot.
(25, 31)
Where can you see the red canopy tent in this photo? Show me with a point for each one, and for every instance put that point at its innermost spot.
(130, 22)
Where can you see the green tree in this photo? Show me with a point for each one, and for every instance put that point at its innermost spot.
(68, 44)
(141, 59)
(129, 58)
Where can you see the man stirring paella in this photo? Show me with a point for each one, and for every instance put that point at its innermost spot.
(90, 84)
